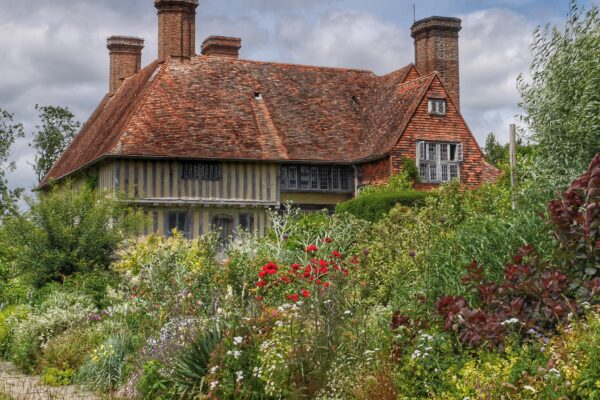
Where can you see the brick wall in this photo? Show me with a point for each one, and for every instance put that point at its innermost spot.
(448, 128)
(374, 172)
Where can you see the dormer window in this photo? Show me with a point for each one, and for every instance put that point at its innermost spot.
(437, 106)
(258, 96)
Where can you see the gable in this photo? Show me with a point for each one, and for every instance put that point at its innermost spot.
(449, 128)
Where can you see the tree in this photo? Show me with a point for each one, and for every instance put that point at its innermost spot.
(561, 100)
(494, 151)
(57, 130)
(9, 131)
(66, 231)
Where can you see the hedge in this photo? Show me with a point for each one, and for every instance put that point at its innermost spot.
(372, 207)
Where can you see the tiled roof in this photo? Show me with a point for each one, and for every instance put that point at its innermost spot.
(207, 108)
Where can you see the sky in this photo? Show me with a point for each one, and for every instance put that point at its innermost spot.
(54, 52)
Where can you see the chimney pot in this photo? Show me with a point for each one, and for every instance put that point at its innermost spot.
(436, 49)
(222, 46)
(125, 59)
(176, 28)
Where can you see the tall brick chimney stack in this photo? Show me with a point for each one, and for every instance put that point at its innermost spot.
(222, 46)
(125, 59)
(176, 28)
(436, 49)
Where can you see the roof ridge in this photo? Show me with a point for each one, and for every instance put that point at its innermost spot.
(430, 76)
(318, 67)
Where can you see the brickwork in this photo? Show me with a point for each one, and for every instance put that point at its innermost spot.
(176, 28)
(448, 128)
(374, 172)
(125, 59)
(222, 46)
(436, 49)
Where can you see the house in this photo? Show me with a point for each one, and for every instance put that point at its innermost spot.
(212, 140)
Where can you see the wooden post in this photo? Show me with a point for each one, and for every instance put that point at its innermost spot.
(513, 162)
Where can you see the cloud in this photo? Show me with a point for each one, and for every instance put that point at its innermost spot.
(346, 39)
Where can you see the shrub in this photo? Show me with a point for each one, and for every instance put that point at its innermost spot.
(373, 207)
(10, 317)
(68, 231)
(58, 313)
(105, 368)
(58, 377)
(71, 348)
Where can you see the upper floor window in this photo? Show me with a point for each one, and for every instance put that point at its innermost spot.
(203, 170)
(321, 178)
(439, 162)
(437, 106)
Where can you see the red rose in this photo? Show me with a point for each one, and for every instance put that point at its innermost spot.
(305, 293)
(293, 297)
(323, 263)
(336, 254)
(261, 283)
(325, 284)
(328, 240)
(295, 267)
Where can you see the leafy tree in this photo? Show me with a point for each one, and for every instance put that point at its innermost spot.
(494, 151)
(9, 131)
(58, 128)
(562, 98)
(67, 231)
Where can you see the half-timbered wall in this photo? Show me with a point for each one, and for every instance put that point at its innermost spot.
(157, 181)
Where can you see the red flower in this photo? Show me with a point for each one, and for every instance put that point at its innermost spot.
(318, 281)
(295, 267)
(293, 297)
(259, 298)
(261, 283)
(311, 248)
(345, 271)
(305, 293)
(323, 263)
(328, 240)
(323, 270)
(336, 254)
(325, 284)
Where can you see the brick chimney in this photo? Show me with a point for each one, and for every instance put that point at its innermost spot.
(436, 49)
(176, 28)
(125, 59)
(222, 46)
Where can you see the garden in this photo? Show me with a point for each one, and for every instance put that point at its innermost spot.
(457, 293)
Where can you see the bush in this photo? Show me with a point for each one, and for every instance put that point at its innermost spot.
(68, 231)
(58, 313)
(373, 207)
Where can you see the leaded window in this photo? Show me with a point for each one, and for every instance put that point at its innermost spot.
(439, 162)
(318, 178)
(206, 171)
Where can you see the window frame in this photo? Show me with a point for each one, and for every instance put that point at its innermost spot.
(432, 168)
(433, 106)
(316, 178)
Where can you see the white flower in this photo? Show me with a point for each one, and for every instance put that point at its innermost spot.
(238, 340)
(214, 369)
(510, 321)
(213, 385)
(239, 375)
(347, 312)
(236, 354)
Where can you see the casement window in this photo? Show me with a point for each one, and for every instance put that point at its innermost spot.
(315, 179)
(223, 224)
(439, 162)
(247, 222)
(206, 171)
(178, 220)
(437, 106)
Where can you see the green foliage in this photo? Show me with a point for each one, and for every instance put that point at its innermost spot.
(495, 153)
(68, 231)
(57, 130)
(58, 313)
(373, 207)
(9, 132)
(562, 98)
(152, 384)
(106, 368)
(58, 377)
(71, 348)
(10, 317)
